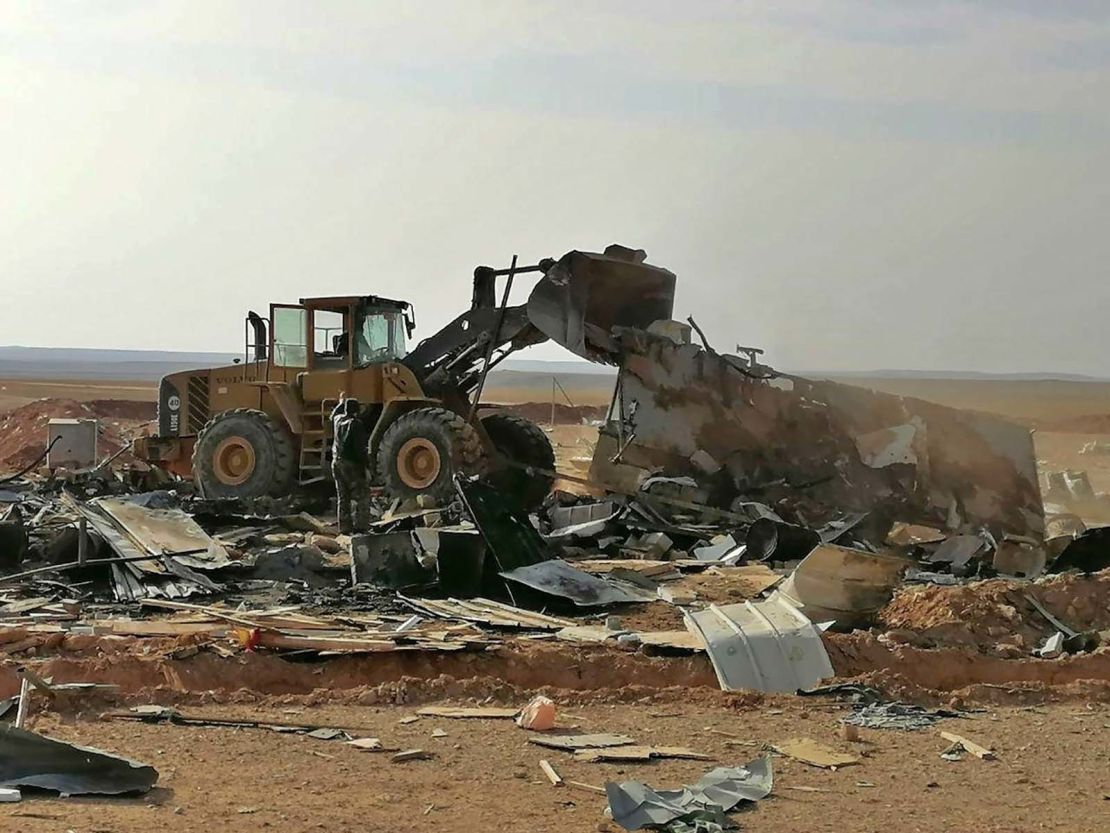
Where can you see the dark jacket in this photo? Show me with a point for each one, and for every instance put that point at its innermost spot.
(350, 440)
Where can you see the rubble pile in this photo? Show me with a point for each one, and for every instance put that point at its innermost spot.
(734, 525)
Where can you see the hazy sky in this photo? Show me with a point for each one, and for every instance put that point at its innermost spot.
(851, 185)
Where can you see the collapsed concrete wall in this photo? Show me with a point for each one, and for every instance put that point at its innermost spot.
(818, 448)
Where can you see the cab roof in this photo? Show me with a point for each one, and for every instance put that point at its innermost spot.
(327, 301)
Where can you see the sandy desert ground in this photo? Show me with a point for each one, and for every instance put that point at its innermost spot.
(1047, 722)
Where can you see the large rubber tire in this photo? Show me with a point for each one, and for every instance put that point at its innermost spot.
(521, 441)
(244, 453)
(422, 437)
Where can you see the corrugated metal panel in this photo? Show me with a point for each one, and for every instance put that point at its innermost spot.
(488, 612)
(765, 646)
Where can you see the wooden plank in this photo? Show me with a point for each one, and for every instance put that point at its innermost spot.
(215, 612)
(552, 776)
(274, 639)
(127, 627)
(809, 751)
(24, 606)
(480, 713)
(981, 752)
(580, 786)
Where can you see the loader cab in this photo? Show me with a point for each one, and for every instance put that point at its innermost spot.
(337, 333)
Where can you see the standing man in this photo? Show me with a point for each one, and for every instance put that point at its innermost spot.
(350, 459)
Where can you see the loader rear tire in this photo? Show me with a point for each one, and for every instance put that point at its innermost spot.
(422, 450)
(243, 453)
(520, 441)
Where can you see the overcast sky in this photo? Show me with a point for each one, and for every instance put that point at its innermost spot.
(913, 184)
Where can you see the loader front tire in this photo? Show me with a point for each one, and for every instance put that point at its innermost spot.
(422, 450)
(520, 441)
(243, 453)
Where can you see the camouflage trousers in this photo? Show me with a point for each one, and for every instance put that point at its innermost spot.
(351, 486)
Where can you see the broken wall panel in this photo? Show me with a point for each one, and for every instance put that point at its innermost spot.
(828, 445)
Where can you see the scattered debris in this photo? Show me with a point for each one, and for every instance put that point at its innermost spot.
(410, 755)
(478, 712)
(575, 742)
(902, 716)
(367, 744)
(634, 805)
(1052, 647)
(558, 578)
(809, 751)
(487, 612)
(31, 760)
(954, 752)
(552, 776)
(164, 714)
(842, 585)
(637, 753)
(983, 753)
(538, 715)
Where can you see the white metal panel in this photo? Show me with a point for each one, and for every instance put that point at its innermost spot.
(766, 646)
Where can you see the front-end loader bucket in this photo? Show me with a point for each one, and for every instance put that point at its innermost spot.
(585, 295)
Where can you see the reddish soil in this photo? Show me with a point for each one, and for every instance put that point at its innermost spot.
(23, 431)
(1050, 773)
(996, 616)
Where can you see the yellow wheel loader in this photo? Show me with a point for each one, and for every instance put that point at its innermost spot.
(261, 425)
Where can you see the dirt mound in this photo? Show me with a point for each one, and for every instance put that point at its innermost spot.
(23, 431)
(124, 409)
(540, 412)
(996, 616)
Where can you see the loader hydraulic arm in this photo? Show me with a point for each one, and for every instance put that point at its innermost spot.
(576, 303)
